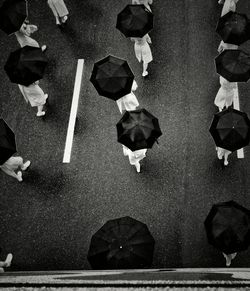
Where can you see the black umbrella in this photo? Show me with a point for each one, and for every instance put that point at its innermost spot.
(7, 142)
(138, 129)
(230, 129)
(26, 65)
(112, 77)
(233, 65)
(135, 21)
(233, 28)
(123, 243)
(228, 227)
(12, 15)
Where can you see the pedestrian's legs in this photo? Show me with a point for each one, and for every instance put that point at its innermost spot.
(7, 261)
(13, 174)
(40, 111)
(138, 167)
(226, 158)
(228, 259)
(145, 72)
(25, 165)
(52, 7)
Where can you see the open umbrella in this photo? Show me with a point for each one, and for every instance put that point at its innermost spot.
(12, 15)
(138, 129)
(123, 243)
(135, 21)
(234, 28)
(228, 227)
(112, 77)
(7, 142)
(230, 129)
(233, 65)
(26, 65)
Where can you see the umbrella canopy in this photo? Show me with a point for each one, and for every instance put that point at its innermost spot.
(123, 243)
(112, 77)
(12, 15)
(26, 65)
(233, 65)
(135, 21)
(234, 28)
(230, 129)
(7, 142)
(228, 227)
(138, 129)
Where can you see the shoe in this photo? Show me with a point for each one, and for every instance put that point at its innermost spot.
(8, 260)
(25, 165)
(19, 176)
(64, 19)
(43, 48)
(225, 163)
(40, 113)
(138, 167)
(144, 74)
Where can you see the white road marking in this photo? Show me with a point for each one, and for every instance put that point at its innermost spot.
(236, 104)
(73, 112)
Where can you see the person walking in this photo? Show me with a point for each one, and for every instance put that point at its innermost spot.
(23, 36)
(229, 258)
(228, 5)
(226, 46)
(6, 263)
(143, 52)
(223, 153)
(135, 157)
(128, 102)
(35, 96)
(146, 3)
(225, 95)
(12, 165)
(59, 10)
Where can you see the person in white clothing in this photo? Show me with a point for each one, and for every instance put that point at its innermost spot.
(226, 46)
(223, 153)
(6, 263)
(229, 258)
(128, 102)
(59, 10)
(225, 95)
(23, 36)
(228, 5)
(135, 157)
(35, 96)
(144, 2)
(143, 52)
(12, 165)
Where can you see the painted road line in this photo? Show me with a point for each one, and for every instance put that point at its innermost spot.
(236, 104)
(73, 112)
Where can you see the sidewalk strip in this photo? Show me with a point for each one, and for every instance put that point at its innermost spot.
(236, 103)
(73, 112)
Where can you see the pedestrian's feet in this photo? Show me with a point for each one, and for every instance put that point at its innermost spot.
(19, 176)
(25, 165)
(43, 48)
(225, 163)
(40, 113)
(138, 167)
(64, 19)
(8, 260)
(145, 73)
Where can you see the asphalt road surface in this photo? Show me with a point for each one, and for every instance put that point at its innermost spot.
(47, 220)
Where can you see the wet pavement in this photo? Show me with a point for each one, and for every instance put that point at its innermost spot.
(47, 220)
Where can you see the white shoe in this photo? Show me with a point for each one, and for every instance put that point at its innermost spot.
(40, 113)
(8, 260)
(138, 167)
(19, 176)
(225, 163)
(25, 165)
(64, 19)
(144, 74)
(43, 48)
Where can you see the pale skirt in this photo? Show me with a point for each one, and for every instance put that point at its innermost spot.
(58, 8)
(128, 102)
(229, 5)
(222, 153)
(12, 164)
(225, 95)
(135, 156)
(143, 52)
(25, 40)
(33, 94)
